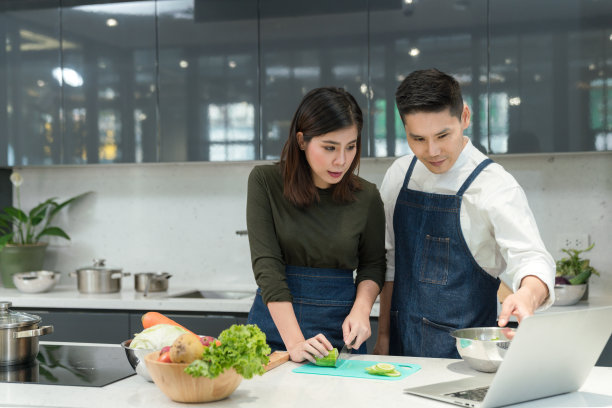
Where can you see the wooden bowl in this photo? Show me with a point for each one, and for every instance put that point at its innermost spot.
(182, 387)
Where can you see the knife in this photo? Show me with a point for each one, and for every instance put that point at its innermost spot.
(345, 353)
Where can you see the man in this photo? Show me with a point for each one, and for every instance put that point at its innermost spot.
(455, 222)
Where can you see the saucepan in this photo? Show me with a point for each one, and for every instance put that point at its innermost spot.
(151, 282)
(19, 333)
(99, 278)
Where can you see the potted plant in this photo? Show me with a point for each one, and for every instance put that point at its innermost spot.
(573, 273)
(21, 248)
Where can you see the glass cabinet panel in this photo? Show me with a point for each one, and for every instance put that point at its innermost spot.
(406, 36)
(304, 45)
(30, 127)
(209, 97)
(550, 75)
(109, 82)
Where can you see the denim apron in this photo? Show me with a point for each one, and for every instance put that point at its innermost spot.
(438, 285)
(322, 298)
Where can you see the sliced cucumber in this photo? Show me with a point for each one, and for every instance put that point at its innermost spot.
(383, 369)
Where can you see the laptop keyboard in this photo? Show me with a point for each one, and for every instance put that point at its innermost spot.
(476, 394)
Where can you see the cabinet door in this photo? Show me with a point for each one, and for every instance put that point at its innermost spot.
(109, 82)
(208, 80)
(30, 128)
(86, 327)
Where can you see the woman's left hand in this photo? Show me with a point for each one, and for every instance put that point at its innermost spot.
(356, 329)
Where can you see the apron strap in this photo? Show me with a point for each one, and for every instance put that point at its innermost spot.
(409, 172)
(472, 176)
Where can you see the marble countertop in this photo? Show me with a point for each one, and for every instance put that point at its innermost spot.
(281, 387)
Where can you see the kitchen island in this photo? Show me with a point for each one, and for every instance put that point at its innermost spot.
(281, 387)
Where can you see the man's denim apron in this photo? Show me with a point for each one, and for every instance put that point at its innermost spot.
(322, 298)
(438, 285)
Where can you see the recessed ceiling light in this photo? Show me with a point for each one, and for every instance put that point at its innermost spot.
(111, 22)
(414, 52)
(183, 64)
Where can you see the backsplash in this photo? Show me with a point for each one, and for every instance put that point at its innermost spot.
(182, 218)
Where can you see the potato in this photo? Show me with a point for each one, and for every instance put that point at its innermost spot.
(186, 348)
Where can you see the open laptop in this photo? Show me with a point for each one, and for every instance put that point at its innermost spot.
(552, 353)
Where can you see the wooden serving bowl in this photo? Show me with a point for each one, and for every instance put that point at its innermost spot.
(182, 387)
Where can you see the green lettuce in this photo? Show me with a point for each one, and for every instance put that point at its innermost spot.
(243, 348)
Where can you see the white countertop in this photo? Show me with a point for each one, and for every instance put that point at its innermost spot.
(281, 387)
(68, 297)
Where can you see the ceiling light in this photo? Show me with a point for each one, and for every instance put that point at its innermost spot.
(232, 64)
(514, 101)
(68, 76)
(111, 22)
(414, 52)
(183, 64)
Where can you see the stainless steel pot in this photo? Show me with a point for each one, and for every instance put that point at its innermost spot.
(151, 282)
(99, 278)
(19, 333)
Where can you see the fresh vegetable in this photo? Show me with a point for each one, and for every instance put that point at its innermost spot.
(156, 337)
(329, 360)
(151, 319)
(242, 347)
(383, 369)
(186, 348)
(164, 357)
(575, 269)
(562, 280)
(206, 340)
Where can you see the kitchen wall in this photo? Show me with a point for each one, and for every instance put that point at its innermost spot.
(183, 218)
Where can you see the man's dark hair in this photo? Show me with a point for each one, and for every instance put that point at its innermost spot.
(429, 90)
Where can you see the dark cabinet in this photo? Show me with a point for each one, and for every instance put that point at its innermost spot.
(206, 324)
(206, 80)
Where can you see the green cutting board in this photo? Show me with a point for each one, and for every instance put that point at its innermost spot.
(356, 368)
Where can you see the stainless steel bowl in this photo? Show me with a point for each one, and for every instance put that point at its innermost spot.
(136, 359)
(483, 348)
(566, 295)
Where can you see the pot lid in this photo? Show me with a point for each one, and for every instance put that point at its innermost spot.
(11, 318)
(98, 265)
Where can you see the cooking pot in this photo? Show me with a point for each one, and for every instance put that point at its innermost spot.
(99, 278)
(19, 333)
(151, 282)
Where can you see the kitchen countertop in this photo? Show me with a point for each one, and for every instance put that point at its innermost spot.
(281, 387)
(68, 297)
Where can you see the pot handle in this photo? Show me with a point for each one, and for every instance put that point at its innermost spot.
(33, 333)
(119, 275)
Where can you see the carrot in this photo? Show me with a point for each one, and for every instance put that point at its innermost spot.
(150, 319)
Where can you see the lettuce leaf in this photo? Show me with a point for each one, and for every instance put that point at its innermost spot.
(243, 347)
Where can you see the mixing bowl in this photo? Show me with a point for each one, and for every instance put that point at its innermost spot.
(136, 359)
(483, 348)
(566, 295)
(36, 281)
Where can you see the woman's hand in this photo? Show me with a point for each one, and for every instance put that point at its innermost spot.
(307, 350)
(356, 328)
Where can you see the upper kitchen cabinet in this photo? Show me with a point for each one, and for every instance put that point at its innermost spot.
(108, 74)
(30, 127)
(449, 35)
(550, 76)
(208, 80)
(304, 45)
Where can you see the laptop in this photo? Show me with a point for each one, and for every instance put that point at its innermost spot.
(552, 353)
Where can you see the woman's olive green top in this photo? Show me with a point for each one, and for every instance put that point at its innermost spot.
(325, 235)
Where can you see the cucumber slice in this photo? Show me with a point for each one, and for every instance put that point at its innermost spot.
(383, 369)
(329, 360)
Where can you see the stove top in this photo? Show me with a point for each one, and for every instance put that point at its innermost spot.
(76, 365)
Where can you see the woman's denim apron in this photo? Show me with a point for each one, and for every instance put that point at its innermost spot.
(438, 285)
(322, 298)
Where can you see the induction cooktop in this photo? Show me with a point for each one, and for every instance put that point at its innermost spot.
(75, 365)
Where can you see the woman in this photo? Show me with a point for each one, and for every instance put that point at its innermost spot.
(311, 223)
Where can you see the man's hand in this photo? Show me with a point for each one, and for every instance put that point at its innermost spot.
(317, 346)
(532, 293)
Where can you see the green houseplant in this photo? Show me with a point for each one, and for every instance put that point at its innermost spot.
(573, 269)
(21, 248)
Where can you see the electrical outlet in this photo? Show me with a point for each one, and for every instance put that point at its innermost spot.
(571, 240)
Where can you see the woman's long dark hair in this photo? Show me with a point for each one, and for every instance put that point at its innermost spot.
(321, 111)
